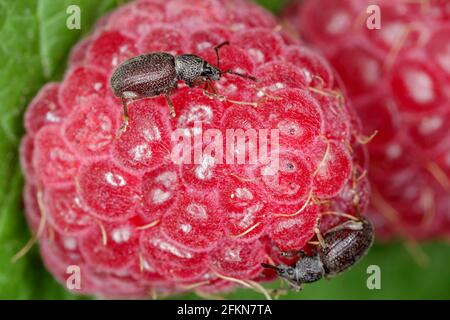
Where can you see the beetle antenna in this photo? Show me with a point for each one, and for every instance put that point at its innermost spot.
(242, 75)
(216, 49)
(270, 266)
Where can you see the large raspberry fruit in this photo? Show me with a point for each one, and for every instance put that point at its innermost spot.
(398, 78)
(136, 222)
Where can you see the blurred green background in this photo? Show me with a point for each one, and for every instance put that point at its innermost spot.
(34, 44)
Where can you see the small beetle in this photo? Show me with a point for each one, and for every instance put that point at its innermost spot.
(344, 247)
(157, 73)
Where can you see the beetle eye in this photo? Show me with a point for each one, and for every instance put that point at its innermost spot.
(206, 70)
(206, 67)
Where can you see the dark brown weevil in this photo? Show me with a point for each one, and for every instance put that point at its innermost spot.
(344, 246)
(157, 73)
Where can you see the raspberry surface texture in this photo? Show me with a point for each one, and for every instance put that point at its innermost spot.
(398, 78)
(138, 223)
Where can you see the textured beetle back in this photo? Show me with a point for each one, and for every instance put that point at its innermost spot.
(188, 67)
(345, 248)
(146, 75)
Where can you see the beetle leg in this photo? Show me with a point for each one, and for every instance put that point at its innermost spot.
(170, 104)
(278, 292)
(319, 236)
(348, 225)
(125, 109)
(124, 125)
(197, 82)
(294, 285)
(242, 75)
(210, 86)
(292, 253)
(223, 98)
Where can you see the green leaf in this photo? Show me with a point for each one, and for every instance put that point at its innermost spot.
(273, 5)
(34, 43)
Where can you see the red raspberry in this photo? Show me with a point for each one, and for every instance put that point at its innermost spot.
(399, 80)
(135, 221)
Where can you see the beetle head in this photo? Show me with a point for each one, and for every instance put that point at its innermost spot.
(306, 270)
(210, 72)
(283, 271)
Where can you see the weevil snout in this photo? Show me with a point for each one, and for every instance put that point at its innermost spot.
(281, 270)
(269, 266)
(210, 72)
